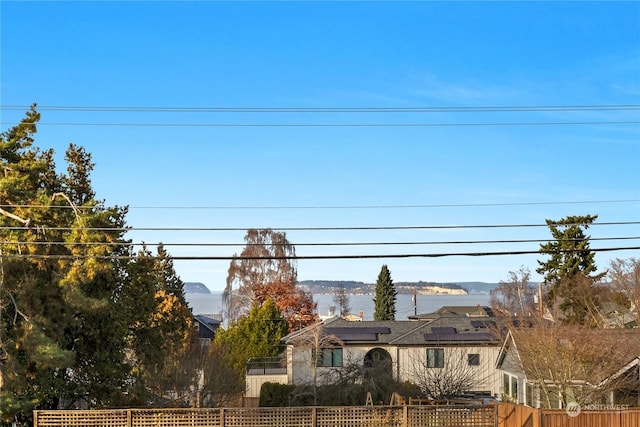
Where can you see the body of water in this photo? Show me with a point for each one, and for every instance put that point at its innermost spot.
(212, 303)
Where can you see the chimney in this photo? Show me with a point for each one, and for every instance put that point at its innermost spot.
(361, 314)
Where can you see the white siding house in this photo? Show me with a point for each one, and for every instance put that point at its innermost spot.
(438, 348)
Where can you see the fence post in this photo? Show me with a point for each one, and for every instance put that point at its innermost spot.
(129, 420)
(35, 418)
(405, 415)
(314, 416)
(221, 417)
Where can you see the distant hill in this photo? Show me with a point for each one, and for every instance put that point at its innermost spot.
(478, 287)
(352, 287)
(195, 288)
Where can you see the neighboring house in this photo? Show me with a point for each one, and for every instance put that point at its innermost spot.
(515, 385)
(617, 316)
(546, 379)
(459, 343)
(206, 325)
(458, 310)
(628, 390)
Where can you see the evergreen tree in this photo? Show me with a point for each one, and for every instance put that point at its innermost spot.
(569, 251)
(160, 325)
(385, 299)
(567, 272)
(256, 334)
(69, 294)
(61, 338)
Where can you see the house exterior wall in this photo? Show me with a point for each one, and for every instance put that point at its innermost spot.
(253, 383)
(408, 364)
(302, 370)
(412, 365)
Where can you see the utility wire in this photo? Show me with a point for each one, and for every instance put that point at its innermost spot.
(366, 228)
(309, 257)
(292, 125)
(317, 207)
(449, 242)
(148, 109)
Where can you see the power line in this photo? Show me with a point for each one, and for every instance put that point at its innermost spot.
(344, 125)
(412, 243)
(360, 228)
(336, 207)
(441, 109)
(309, 257)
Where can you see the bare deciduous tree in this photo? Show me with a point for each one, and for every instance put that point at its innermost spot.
(515, 296)
(450, 376)
(341, 299)
(624, 276)
(209, 381)
(221, 385)
(572, 362)
(314, 341)
(267, 259)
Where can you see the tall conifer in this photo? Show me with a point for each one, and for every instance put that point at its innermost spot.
(385, 299)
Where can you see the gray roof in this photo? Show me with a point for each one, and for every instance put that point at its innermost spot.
(458, 310)
(444, 330)
(207, 321)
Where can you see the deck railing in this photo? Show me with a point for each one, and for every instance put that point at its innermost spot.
(266, 366)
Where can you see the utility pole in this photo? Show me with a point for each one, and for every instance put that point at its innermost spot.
(415, 302)
(540, 299)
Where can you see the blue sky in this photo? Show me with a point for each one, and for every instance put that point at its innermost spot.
(457, 168)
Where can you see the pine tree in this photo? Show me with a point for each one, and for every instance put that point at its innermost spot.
(385, 299)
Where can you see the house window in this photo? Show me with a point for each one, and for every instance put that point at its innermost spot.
(435, 358)
(529, 394)
(510, 387)
(329, 357)
(473, 359)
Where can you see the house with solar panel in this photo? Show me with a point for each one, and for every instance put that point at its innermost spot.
(453, 347)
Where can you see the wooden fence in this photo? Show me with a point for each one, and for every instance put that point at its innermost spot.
(325, 416)
(500, 415)
(510, 415)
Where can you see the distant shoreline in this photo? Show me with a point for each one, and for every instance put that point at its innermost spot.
(330, 287)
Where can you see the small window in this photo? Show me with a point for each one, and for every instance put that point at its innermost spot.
(330, 357)
(505, 384)
(529, 395)
(514, 387)
(435, 358)
(473, 359)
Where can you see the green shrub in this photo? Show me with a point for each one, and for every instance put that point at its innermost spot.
(275, 394)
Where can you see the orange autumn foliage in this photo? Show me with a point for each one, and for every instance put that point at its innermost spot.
(296, 306)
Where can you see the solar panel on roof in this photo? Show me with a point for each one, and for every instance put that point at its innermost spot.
(443, 330)
(482, 323)
(482, 336)
(355, 336)
(369, 333)
(366, 329)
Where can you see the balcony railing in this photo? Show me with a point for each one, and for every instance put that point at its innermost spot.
(266, 366)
